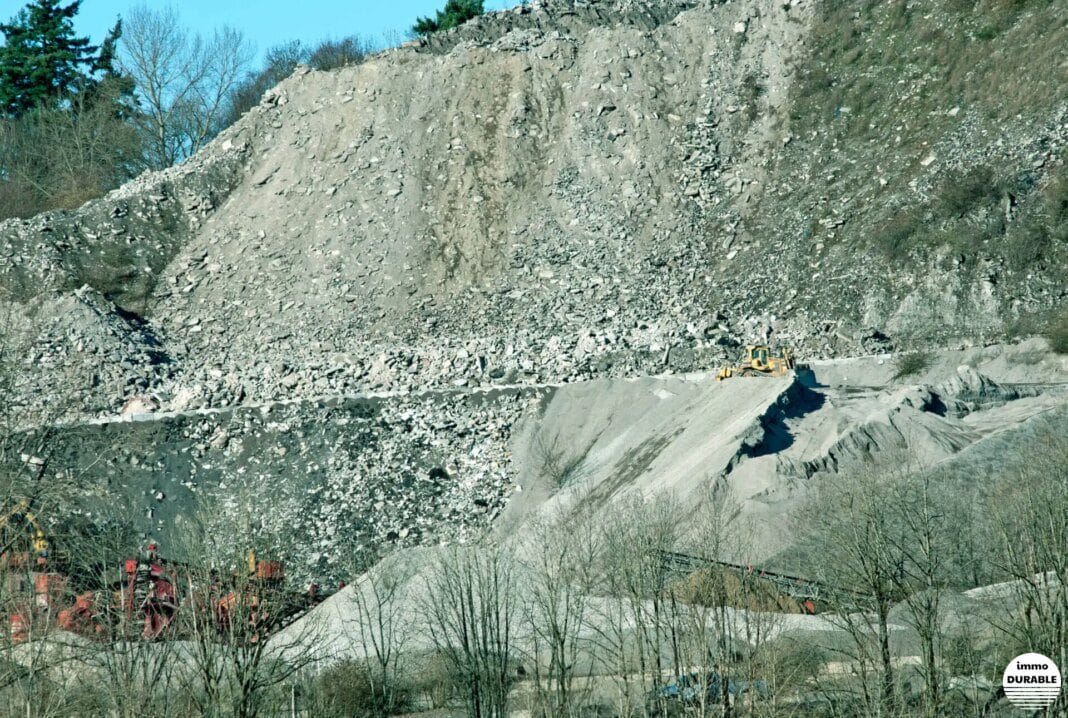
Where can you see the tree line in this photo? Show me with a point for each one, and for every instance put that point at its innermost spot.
(78, 119)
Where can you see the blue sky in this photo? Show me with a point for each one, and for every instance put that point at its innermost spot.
(270, 22)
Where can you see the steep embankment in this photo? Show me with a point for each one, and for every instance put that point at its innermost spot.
(315, 481)
(571, 190)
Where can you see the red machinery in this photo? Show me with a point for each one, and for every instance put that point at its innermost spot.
(145, 594)
(257, 601)
(148, 592)
(249, 605)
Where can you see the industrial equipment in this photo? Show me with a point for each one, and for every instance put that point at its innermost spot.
(759, 360)
(143, 600)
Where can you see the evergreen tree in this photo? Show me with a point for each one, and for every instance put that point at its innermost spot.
(105, 59)
(455, 12)
(109, 83)
(42, 61)
(67, 115)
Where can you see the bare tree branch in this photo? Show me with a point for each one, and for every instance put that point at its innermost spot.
(183, 80)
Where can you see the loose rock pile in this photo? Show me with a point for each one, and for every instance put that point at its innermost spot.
(608, 188)
(317, 483)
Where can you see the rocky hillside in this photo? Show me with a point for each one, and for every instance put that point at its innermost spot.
(605, 189)
(564, 191)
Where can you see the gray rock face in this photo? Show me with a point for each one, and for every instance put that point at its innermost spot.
(605, 189)
(359, 232)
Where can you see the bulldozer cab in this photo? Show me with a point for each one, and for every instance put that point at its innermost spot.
(758, 357)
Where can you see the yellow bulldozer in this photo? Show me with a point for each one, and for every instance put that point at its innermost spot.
(759, 361)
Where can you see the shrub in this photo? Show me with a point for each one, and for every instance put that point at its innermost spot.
(1026, 244)
(282, 60)
(1057, 331)
(892, 238)
(963, 190)
(278, 64)
(332, 54)
(58, 158)
(1027, 324)
(911, 363)
(795, 663)
(752, 92)
(1055, 204)
(560, 466)
(346, 689)
(435, 681)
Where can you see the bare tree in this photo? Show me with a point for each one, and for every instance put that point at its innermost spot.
(137, 677)
(235, 606)
(382, 627)
(561, 465)
(32, 659)
(132, 677)
(854, 540)
(470, 611)
(631, 621)
(555, 610)
(183, 80)
(279, 62)
(646, 583)
(923, 549)
(62, 157)
(708, 628)
(1030, 521)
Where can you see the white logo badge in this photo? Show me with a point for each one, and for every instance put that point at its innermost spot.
(1031, 681)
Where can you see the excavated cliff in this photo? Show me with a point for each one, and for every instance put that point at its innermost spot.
(561, 191)
(407, 258)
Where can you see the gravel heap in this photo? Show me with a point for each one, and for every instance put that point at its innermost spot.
(97, 349)
(315, 483)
